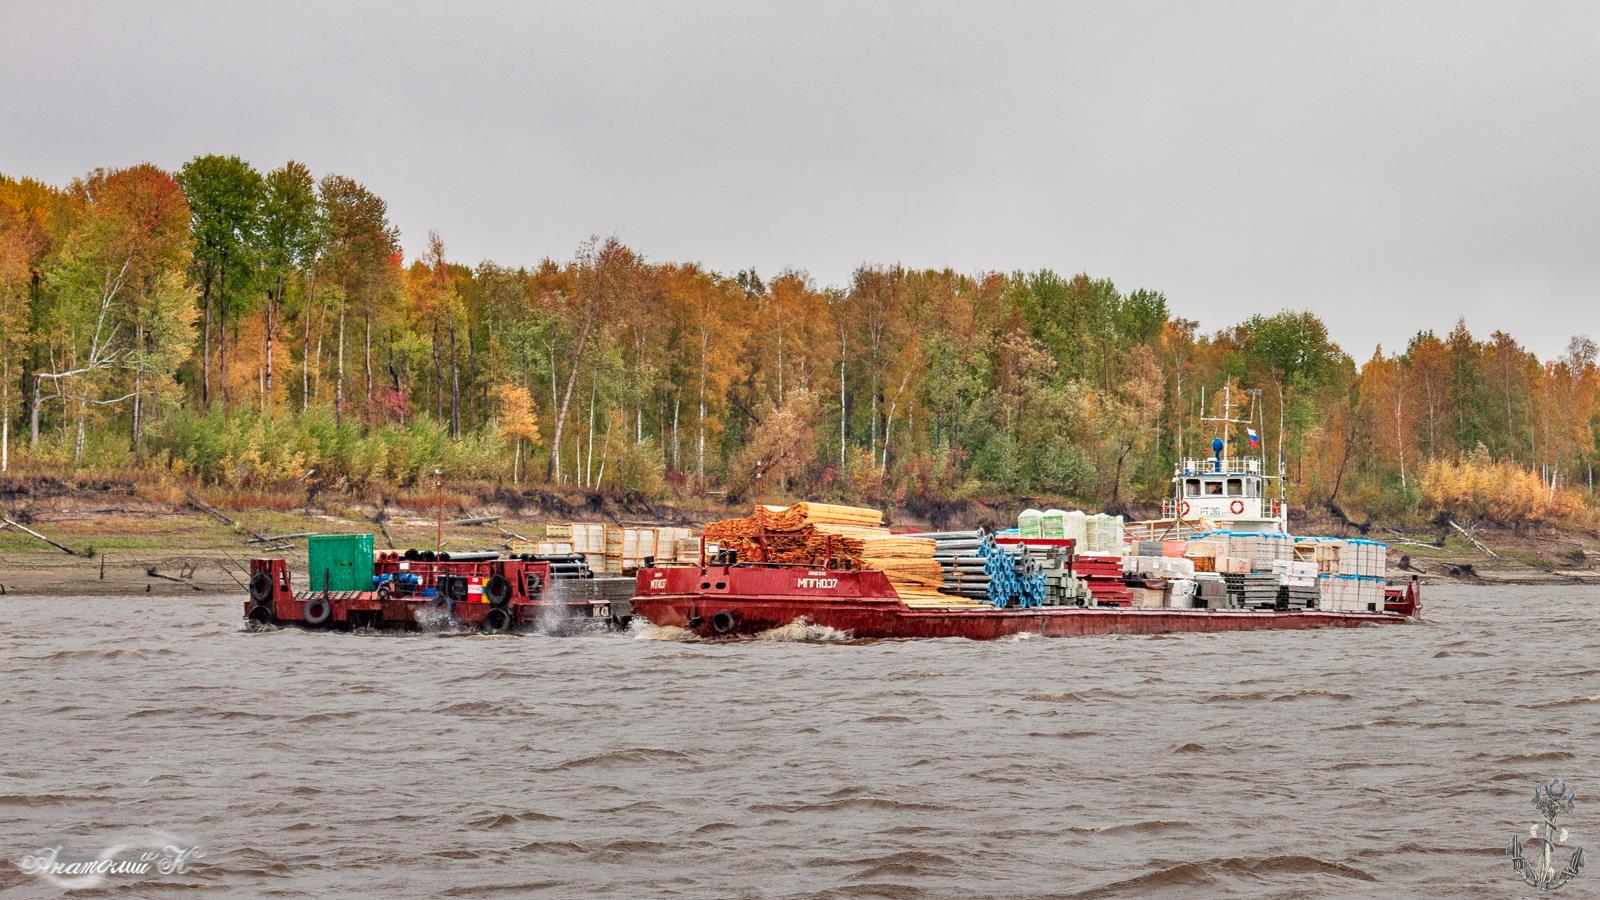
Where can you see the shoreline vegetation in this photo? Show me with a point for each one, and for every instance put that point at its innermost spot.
(159, 539)
(259, 341)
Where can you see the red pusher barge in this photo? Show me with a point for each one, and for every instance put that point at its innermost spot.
(476, 590)
(748, 598)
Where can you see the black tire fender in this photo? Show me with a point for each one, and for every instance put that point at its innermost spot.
(722, 622)
(497, 620)
(498, 590)
(318, 610)
(261, 588)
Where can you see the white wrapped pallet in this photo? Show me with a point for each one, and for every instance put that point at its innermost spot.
(1077, 527)
(1180, 594)
(1095, 540)
(1029, 523)
(1294, 569)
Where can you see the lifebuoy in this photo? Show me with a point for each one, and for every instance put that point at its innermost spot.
(318, 609)
(498, 619)
(1236, 507)
(1183, 509)
(722, 622)
(498, 590)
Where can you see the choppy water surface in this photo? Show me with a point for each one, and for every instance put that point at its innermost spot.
(1370, 762)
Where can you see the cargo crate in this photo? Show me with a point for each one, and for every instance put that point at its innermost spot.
(339, 562)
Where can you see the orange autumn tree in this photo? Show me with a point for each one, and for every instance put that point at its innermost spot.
(518, 420)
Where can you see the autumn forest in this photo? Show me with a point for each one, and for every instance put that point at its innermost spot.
(241, 327)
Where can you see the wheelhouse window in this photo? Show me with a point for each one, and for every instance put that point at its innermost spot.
(1191, 487)
(1213, 488)
(1235, 487)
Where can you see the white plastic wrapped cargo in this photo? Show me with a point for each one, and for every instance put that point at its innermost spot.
(1293, 569)
(1077, 527)
(1053, 524)
(1030, 523)
(1093, 533)
(1180, 594)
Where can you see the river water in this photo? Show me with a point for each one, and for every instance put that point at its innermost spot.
(1366, 762)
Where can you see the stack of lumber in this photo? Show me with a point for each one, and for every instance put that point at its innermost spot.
(791, 518)
(859, 532)
(929, 598)
(809, 533)
(907, 572)
(803, 545)
(789, 535)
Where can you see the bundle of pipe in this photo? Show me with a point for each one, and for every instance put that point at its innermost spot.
(1014, 578)
(962, 558)
(450, 555)
(562, 565)
(956, 552)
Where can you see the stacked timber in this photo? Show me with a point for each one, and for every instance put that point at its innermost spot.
(792, 518)
(768, 537)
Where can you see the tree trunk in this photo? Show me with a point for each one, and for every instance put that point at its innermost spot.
(572, 381)
(438, 376)
(33, 419)
(136, 417)
(455, 386)
(83, 415)
(588, 463)
(888, 423)
(700, 466)
(273, 302)
(222, 332)
(842, 437)
(5, 416)
(305, 357)
(368, 317)
(338, 388)
(205, 346)
(677, 405)
(472, 379)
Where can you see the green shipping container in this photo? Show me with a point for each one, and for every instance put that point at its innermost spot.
(341, 562)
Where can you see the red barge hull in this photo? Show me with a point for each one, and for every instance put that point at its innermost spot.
(729, 601)
(525, 599)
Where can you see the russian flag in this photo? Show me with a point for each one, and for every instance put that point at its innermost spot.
(1255, 439)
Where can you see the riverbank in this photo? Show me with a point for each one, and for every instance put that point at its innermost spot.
(133, 540)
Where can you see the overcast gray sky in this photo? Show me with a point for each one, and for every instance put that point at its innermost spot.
(1390, 166)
